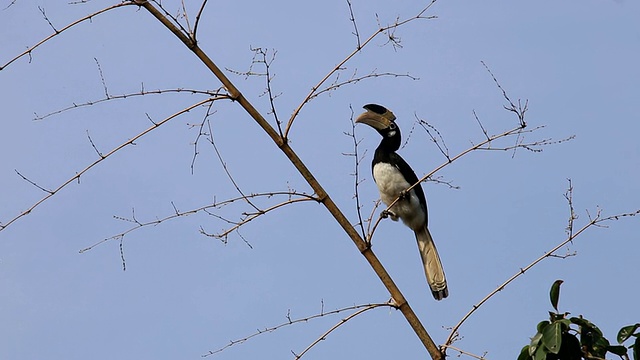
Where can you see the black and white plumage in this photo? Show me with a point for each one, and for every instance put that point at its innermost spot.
(394, 176)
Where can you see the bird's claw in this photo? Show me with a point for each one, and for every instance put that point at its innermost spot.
(385, 214)
(404, 194)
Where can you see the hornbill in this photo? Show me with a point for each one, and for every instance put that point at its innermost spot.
(394, 176)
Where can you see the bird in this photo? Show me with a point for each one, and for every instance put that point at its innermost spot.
(393, 176)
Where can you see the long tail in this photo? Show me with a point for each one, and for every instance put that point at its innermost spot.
(432, 264)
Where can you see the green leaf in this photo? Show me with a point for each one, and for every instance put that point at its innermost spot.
(600, 346)
(626, 332)
(524, 353)
(535, 341)
(552, 337)
(554, 294)
(585, 325)
(617, 349)
(541, 353)
(542, 325)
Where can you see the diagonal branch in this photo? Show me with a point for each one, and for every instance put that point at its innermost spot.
(336, 326)
(291, 321)
(63, 29)
(215, 205)
(142, 92)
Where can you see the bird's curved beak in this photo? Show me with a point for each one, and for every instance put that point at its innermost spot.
(379, 119)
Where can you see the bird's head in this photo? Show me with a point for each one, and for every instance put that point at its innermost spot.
(381, 119)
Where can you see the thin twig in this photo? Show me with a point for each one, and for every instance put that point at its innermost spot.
(462, 352)
(354, 79)
(356, 173)
(58, 32)
(352, 18)
(252, 216)
(32, 183)
(201, 133)
(104, 83)
(439, 140)
(291, 321)
(195, 26)
(226, 169)
(142, 92)
(178, 214)
(336, 326)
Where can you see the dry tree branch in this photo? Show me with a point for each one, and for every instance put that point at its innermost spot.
(254, 215)
(107, 155)
(320, 193)
(201, 133)
(354, 79)
(292, 322)
(463, 352)
(595, 221)
(352, 18)
(198, 16)
(340, 65)
(439, 140)
(61, 30)
(336, 326)
(226, 170)
(356, 173)
(142, 92)
(215, 205)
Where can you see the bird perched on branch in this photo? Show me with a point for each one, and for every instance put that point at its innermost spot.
(394, 176)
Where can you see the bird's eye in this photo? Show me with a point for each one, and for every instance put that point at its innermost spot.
(392, 126)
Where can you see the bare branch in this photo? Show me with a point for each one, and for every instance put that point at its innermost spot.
(340, 65)
(438, 140)
(94, 146)
(142, 92)
(226, 170)
(291, 321)
(215, 205)
(195, 26)
(519, 110)
(354, 79)
(44, 14)
(58, 32)
(201, 133)
(484, 131)
(32, 183)
(357, 159)
(462, 352)
(252, 216)
(104, 83)
(352, 18)
(107, 155)
(336, 326)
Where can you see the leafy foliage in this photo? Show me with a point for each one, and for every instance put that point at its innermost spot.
(575, 338)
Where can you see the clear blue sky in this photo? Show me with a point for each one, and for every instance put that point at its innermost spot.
(183, 294)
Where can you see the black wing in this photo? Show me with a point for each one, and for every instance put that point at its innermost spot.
(409, 175)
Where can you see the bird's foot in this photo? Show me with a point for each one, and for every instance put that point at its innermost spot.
(404, 194)
(388, 213)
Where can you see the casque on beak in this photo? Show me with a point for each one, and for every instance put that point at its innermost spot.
(376, 116)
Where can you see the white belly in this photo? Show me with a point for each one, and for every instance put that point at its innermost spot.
(391, 184)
